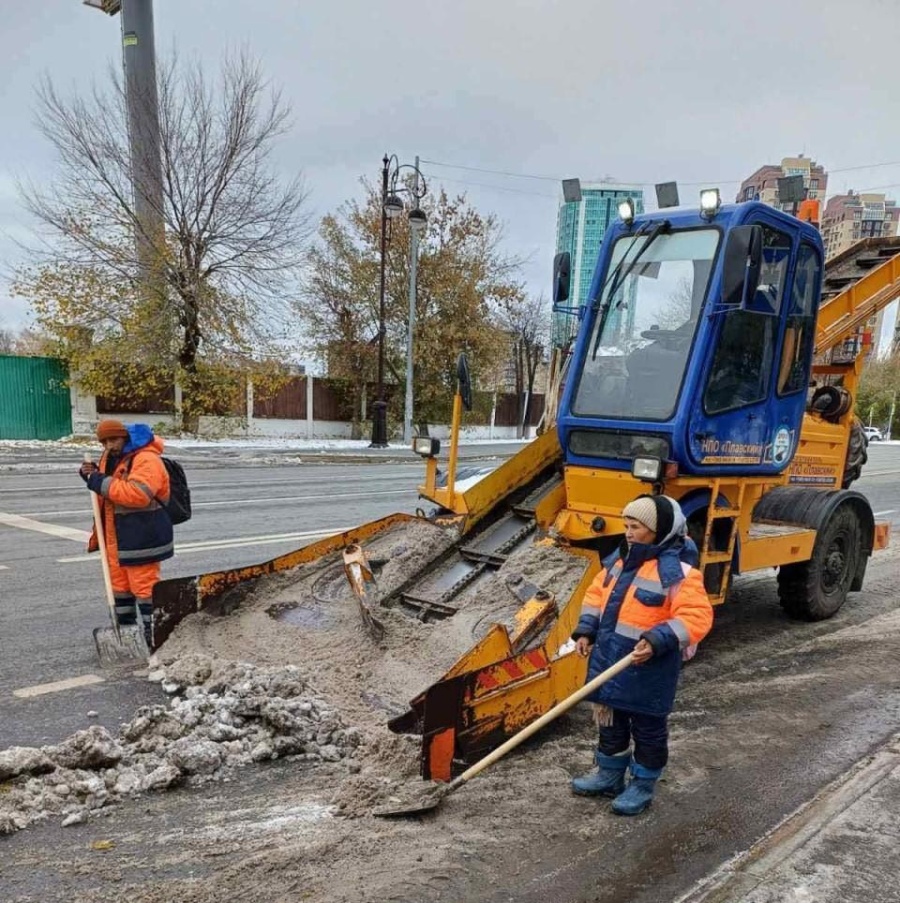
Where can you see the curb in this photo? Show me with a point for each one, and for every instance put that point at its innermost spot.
(746, 871)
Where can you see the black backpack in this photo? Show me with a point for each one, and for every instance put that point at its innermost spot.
(179, 504)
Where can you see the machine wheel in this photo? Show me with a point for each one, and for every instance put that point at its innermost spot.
(816, 589)
(857, 454)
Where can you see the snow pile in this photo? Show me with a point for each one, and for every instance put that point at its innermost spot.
(223, 715)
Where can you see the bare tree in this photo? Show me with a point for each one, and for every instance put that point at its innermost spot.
(527, 322)
(7, 341)
(218, 280)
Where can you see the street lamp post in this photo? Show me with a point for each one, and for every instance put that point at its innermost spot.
(391, 207)
(379, 408)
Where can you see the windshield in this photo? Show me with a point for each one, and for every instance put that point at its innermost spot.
(642, 333)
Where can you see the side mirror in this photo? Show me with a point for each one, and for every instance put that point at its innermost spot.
(740, 271)
(465, 381)
(562, 270)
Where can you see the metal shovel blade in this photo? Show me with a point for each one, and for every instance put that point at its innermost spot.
(124, 647)
(422, 799)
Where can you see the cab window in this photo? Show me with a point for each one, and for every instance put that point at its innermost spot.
(799, 333)
(742, 365)
(743, 361)
(773, 272)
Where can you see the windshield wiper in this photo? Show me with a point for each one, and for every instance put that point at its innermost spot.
(618, 276)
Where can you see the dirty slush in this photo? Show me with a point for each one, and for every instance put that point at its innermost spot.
(292, 675)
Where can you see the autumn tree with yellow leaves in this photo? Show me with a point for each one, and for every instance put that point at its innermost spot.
(463, 281)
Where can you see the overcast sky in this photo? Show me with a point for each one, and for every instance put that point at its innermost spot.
(702, 91)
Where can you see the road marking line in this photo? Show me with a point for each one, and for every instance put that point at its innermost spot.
(26, 523)
(234, 502)
(85, 680)
(234, 543)
(883, 513)
(306, 498)
(4, 567)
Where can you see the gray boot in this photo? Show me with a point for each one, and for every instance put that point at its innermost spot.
(639, 794)
(145, 607)
(608, 780)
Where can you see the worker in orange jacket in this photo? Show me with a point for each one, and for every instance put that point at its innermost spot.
(133, 486)
(648, 601)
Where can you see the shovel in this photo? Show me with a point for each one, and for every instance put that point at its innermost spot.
(116, 645)
(433, 795)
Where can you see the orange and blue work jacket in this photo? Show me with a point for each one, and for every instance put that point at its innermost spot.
(643, 592)
(137, 489)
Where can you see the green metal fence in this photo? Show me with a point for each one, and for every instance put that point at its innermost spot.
(34, 398)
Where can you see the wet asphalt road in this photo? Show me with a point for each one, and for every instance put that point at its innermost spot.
(778, 742)
(248, 506)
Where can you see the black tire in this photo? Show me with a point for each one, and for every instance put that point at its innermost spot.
(816, 589)
(857, 455)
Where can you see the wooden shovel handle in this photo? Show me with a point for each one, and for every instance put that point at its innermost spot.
(545, 719)
(101, 542)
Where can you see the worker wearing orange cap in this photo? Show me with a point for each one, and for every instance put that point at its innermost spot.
(133, 486)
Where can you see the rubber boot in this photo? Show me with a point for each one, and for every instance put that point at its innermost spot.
(607, 780)
(639, 794)
(145, 607)
(125, 610)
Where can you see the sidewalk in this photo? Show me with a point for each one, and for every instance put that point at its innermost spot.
(841, 847)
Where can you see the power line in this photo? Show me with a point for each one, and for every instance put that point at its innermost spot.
(642, 183)
(493, 172)
(539, 194)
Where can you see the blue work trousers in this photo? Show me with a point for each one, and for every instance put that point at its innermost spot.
(649, 732)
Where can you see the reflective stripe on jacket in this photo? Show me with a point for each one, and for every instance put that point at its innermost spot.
(650, 593)
(137, 489)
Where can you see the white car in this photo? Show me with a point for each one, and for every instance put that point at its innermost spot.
(873, 434)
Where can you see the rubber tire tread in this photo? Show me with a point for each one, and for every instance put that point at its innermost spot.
(799, 585)
(857, 454)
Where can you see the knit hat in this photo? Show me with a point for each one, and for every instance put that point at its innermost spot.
(111, 429)
(642, 509)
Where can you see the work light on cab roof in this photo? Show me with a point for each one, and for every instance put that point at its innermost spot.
(710, 201)
(626, 211)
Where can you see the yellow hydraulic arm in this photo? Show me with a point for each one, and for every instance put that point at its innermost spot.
(842, 315)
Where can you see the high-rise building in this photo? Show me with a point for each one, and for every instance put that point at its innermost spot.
(763, 184)
(580, 227)
(850, 218)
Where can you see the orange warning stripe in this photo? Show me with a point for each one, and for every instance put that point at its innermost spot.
(510, 669)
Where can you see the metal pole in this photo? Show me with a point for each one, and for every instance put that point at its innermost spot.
(139, 55)
(413, 268)
(379, 408)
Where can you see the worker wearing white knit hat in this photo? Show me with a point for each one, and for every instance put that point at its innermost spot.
(646, 601)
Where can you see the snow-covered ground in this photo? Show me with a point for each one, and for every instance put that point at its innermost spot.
(280, 443)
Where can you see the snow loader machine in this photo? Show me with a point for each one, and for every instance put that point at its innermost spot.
(717, 362)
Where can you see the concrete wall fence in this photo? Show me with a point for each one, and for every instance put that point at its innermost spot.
(305, 408)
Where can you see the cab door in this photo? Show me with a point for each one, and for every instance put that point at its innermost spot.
(737, 424)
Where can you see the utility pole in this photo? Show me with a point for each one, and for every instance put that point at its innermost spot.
(142, 102)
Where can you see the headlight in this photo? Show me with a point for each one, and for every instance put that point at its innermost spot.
(710, 201)
(626, 211)
(647, 469)
(426, 446)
